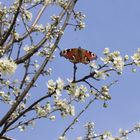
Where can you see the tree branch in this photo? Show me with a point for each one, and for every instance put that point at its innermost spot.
(24, 93)
(12, 24)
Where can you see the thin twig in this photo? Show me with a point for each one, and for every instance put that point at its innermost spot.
(74, 74)
(79, 114)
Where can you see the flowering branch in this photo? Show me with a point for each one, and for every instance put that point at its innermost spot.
(12, 24)
(20, 60)
(107, 135)
(98, 93)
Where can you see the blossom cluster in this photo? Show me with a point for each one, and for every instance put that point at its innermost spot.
(46, 51)
(56, 87)
(136, 58)
(113, 58)
(78, 92)
(7, 66)
(4, 97)
(22, 127)
(64, 107)
(28, 48)
(39, 28)
(43, 111)
(99, 74)
(105, 93)
(26, 14)
(62, 3)
(79, 17)
(53, 31)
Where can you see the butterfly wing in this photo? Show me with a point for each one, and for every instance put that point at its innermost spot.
(78, 55)
(70, 54)
(87, 56)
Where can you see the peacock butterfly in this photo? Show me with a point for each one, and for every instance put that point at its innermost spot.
(78, 55)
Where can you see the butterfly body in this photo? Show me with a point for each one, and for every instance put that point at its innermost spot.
(78, 55)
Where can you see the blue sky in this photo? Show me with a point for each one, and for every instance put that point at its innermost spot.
(109, 23)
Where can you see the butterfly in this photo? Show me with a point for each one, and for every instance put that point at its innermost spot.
(78, 55)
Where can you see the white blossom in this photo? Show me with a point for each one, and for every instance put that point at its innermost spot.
(79, 138)
(105, 93)
(7, 66)
(65, 107)
(99, 74)
(62, 138)
(106, 51)
(27, 15)
(60, 84)
(123, 132)
(118, 63)
(137, 126)
(107, 136)
(115, 59)
(51, 85)
(62, 3)
(91, 124)
(52, 118)
(136, 57)
(2, 93)
(42, 110)
(46, 2)
(93, 65)
(36, 65)
(16, 35)
(39, 27)
(134, 70)
(27, 79)
(78, 92)
(22, 106)
(21, 128)
(55, 18)
(71, 110)
(14, 115)
(27, 48)
(79, 15)
(48, 72)
(81, 25)
(36, 1)
(16, 91)
(126, 57)
(55, 87)
(47, 107)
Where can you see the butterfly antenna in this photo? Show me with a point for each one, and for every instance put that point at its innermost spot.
(79, 47)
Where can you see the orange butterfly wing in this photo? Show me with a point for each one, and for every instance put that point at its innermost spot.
(70, 54)
(78, 55)
(88, 56)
